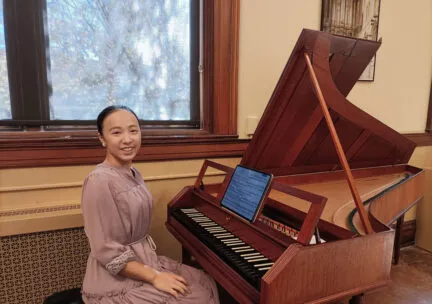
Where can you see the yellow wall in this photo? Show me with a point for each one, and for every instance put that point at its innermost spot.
(268, 31)
(398, 96)
(39, 188)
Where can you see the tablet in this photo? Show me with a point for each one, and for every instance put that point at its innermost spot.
(246, 192)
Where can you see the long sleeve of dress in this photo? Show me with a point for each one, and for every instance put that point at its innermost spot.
(103, 225)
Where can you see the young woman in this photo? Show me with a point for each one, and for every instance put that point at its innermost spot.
(123, 266)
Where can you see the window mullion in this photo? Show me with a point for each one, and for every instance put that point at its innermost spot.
(26, 62)
(195, 60)
(12, 58)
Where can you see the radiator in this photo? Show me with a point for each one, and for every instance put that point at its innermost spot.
(35, 265)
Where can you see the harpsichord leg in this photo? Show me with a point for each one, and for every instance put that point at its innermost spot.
(358, 299)
(398, 239)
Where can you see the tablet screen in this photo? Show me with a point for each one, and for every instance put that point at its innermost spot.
(245, 192)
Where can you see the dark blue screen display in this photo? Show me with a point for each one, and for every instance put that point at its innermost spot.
(245, 191)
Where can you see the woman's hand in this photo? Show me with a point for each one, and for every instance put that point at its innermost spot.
(170, 283)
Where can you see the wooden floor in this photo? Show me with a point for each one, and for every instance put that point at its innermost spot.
(411, 281)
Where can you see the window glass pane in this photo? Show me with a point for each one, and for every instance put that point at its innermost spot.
(130, 52)
(5, 105)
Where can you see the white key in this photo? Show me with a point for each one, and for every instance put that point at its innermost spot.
(215, 228)
(200, 217)
(249, 254)
(194, 215)
(253, 257)
(264, 268)
(216, 231)
(201, 220)
(235, 244)
(263, 264)
(258, 260)
(245, 250)
(196, 218)
(231, 239)
(229, 235)
(190, 210)
(242, 247)
(222, 234)
(207, 224)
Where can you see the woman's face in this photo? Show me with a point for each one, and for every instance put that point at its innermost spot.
(121, 136)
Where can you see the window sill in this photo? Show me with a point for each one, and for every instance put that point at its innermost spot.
(39, 149)
(61, 148)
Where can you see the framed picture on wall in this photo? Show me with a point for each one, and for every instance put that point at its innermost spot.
(353, 18)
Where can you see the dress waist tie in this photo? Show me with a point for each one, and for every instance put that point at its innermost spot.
(149, 240)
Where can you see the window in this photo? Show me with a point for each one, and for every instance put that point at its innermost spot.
(92, 54)
(210, 133)
(130, 52)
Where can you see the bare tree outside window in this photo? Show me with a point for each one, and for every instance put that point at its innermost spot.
(5, 105)
(105, 52)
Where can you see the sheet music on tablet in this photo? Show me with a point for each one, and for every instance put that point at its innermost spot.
(246, 191)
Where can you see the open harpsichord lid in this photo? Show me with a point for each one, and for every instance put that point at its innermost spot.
(292, 136)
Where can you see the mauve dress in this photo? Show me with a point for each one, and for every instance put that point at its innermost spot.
(117, 208)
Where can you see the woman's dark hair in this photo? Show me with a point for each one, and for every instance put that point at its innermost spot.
(107, 111)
